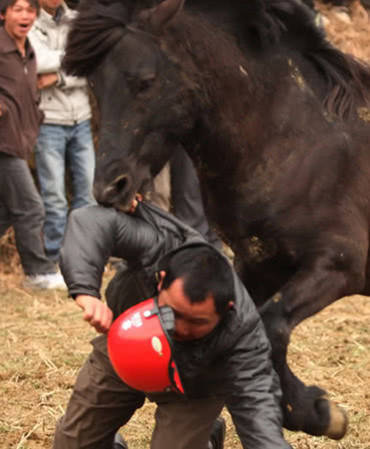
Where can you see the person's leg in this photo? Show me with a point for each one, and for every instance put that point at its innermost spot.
(100, 404)
(24, 209)
(80, 160)
(50, 164)
(185, 424)
(187, 203)
(5, 220)
(161, 194)
(218, 432)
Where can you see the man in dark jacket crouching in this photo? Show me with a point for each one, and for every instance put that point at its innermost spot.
(219, 343)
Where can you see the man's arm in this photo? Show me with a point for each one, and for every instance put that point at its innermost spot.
(49, 62)
(48, 59)
(96, 312)
(3, 109)
(47, 80)
(255, 402)
(94, 234)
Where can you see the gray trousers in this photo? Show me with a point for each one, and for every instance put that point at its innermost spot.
(187, 203)
(21, 207)
(176, 189)
(101, 403)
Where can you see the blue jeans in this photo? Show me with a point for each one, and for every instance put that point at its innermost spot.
(61, 149)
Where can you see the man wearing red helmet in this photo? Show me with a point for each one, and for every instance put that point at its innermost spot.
(216, 353)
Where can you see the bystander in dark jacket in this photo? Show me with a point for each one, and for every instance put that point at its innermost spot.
(20, 203)
(19, 97)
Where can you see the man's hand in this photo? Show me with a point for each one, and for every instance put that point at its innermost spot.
(96, 313)
(135, 202)
(46, 80)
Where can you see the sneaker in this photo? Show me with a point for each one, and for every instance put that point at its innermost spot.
(46, 281)
(217, 438)
(119, 442)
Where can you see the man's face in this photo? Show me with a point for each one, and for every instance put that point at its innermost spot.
(19, 19)
(192, 320)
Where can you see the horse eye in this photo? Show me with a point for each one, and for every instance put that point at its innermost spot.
(145, 84)
(139, 85)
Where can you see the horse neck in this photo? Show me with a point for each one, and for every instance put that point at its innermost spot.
(216, 71)
(261, 27)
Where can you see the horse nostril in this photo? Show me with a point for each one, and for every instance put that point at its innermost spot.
(120, 183)
(109, 194)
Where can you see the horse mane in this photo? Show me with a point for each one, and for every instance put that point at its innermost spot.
(270, 24)
(262, 26)
(98, 26)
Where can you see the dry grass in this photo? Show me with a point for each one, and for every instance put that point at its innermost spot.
(351, 36)
(8, 255)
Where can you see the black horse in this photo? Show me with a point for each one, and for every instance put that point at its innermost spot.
(276, 122)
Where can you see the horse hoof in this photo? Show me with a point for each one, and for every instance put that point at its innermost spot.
(338, 419)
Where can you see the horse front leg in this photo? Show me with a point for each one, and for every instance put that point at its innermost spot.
(320, 281)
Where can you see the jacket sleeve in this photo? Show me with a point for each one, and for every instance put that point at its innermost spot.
(255, 402)
(49, 60)
(93, 234)
(3, 109)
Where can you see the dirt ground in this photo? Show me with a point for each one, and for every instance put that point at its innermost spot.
(44, 340)
(348, 28)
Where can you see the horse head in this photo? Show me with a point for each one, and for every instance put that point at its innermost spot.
(141, 104)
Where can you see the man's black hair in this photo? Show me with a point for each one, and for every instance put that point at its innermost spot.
(5, 4)
(204, 272)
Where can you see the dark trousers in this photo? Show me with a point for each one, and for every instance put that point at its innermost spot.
(22, 208)
(101, 403)
(187, 203)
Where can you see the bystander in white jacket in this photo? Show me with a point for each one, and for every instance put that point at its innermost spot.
(67, 102)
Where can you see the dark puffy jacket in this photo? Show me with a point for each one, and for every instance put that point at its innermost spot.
(233, 362)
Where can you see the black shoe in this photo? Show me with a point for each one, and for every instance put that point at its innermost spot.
(217, 438)
(119, 442)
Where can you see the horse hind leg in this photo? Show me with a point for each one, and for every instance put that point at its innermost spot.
(303, 404)
(321, 406)
(305, 408)
(366, 290)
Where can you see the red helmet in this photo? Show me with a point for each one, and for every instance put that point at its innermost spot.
(139, 348)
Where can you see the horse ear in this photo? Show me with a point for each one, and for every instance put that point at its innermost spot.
(159, 16)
